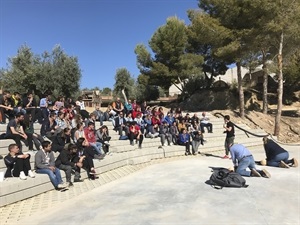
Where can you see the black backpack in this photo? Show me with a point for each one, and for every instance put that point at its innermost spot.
(223, 177)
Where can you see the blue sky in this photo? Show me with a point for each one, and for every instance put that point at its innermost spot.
(101, 33)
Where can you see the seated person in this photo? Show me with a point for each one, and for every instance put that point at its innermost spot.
(30, 105)
(103, 137)
(118, 106)
(99, 115)
(184, 139)
(61, 139)
(204, 122)
(276, 155)
(17, 163)
(65, 163)
(197, 139)
(6, 106)
(121, 125)
(90, 137)
(84, 159)
(28, 127)
(135, 133)
(174, 132)
(242, 159)
(79, 132)
(49, 127)
(15, 131)
(45, 164)
(165, 135)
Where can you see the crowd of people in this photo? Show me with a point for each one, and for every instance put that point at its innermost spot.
(68, 129)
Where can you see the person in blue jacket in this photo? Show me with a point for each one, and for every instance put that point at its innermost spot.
(185, 140)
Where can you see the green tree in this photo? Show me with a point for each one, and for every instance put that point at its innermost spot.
(106, 91)
(21, 72)
(205, 36)
(56, 72)
(123, 81)
(171, 63)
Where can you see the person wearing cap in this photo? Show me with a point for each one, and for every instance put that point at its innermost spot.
(242, 159)
(276, 155)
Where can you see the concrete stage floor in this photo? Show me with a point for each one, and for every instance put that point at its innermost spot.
(175, 193)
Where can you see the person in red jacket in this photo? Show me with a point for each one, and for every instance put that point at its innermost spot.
(135, 133)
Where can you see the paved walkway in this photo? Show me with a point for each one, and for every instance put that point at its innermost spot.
(167, 191)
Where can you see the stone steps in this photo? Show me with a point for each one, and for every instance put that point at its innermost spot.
(124, 156)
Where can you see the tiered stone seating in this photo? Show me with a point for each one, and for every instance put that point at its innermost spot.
(122, 154)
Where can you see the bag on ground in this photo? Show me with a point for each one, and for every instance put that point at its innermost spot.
(222, 177)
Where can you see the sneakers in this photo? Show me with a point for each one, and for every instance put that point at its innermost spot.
(77, 180)
(264, 173)
(263, 162)
(294, 162)
(165, 144)
(225, 157)
(70, 184)
(31, 174)
(254, 173)
(61, 186)
(106, 143)
(93, 172)
(283, 165)
(22, 176)
(99, 156)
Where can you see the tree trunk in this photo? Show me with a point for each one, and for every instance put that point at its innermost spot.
(280, 88)
(241, 91)
(265, 83)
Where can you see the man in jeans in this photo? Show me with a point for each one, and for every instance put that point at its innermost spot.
(45, 164)
(242, 159)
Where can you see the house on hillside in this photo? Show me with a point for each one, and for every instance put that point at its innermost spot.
(255, 78)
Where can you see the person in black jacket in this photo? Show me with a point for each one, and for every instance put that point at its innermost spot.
(17, 163)
(276, 155)
(49, 127)
(66, 161)
(84, 157)
(61, 139)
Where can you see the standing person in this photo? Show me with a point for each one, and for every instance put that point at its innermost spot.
(229, 130)
(44, 106)
(15, 131)
(276, 155)
(45, 164)
(17, 163)
(242, 159)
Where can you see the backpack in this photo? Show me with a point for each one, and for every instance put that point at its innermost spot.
(223, 177)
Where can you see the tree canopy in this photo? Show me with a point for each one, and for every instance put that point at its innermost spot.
(56, 72)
